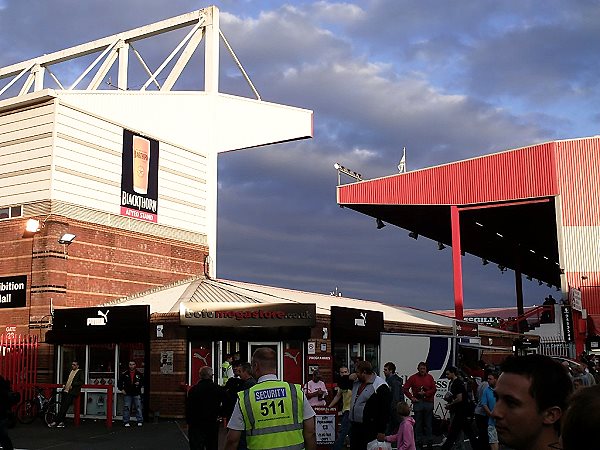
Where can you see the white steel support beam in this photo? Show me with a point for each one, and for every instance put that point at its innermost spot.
(170, 57)
(211, 54)
(184, 58)
(92, 47)
(123, 65)
(104, 68)
(38, 73)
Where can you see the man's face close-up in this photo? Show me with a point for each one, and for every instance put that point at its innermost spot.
(422, 370)
(386, 372)
(518, 421)
(344, 371)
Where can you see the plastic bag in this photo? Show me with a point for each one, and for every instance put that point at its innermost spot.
(378, 445)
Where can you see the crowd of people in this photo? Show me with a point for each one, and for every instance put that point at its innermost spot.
(529, 402)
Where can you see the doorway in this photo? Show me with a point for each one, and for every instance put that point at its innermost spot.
(276, 346)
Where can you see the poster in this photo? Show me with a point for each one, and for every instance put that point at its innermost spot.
(139, 177)
(166, 362)
(325, 428)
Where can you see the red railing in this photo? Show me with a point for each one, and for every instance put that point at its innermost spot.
(18, 361)
(531, 319)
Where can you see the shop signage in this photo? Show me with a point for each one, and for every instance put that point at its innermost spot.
(567, 320)
(139, 177)
(488, 321)
(248, 314)
(13, 291)
(101, 324)
(347, 322)
(576, 300)
(464, 328)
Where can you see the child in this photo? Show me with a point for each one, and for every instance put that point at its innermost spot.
(405, 436)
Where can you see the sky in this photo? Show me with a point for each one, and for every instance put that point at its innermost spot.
(447, 80)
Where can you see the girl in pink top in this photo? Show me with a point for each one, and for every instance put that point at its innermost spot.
(405, 436)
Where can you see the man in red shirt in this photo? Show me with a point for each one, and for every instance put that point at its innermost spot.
(420, 389)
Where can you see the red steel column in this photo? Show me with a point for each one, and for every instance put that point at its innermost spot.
(456, 263)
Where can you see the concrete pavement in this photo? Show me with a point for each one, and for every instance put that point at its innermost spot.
(94, 435)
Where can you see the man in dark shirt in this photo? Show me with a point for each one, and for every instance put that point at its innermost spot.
(202, 408)
(395, 384)
(458, 404)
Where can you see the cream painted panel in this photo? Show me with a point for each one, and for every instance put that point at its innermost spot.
(25, 124)
(21, 180)
(25, 159)
(80, 121)
(26, 146)
(98, 202)
(26, 133)
(75, 151)
(24, 114)
(37, 193)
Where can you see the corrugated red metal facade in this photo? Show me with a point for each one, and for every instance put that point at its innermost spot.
(569, 170)
(518, 174)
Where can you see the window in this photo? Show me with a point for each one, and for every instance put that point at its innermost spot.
(9, 212)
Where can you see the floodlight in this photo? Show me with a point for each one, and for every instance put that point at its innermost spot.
(66, 239)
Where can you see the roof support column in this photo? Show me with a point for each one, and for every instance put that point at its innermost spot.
(456, 263)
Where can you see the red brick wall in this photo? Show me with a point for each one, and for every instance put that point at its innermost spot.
(102, 264)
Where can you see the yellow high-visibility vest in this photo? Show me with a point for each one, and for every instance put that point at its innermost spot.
(273, 414)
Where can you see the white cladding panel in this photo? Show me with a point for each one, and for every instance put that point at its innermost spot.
(26, 154)
(87, 171)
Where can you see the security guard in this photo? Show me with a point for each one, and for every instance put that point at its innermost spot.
(227, 368)
(274, 414)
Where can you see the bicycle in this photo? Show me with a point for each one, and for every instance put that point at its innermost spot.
(39, 405)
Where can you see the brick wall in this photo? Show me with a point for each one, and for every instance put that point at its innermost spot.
(167, 391)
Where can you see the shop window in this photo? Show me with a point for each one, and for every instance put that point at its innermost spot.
(340, 356)
(371, 352)
(70, 353)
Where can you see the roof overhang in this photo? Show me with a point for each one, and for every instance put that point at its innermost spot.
(506, 202)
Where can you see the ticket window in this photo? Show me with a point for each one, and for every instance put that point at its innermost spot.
(101, 372)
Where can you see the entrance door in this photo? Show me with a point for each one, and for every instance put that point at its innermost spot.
(276, 346)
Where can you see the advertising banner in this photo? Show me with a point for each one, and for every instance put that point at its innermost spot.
(13, 291)
(139, 177)
(567, 321)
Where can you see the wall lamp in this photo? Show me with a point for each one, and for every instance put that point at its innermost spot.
(31, 227)
(379, 223)
(414, 235)
(66, 239)
(441, 246)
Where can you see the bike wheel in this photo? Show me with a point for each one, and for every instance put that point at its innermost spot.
(27, 411)
(51, 411)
